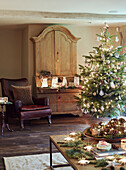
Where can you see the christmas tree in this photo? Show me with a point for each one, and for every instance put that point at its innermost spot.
(103, 78)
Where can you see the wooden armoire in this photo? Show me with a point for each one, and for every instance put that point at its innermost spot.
(56, 51)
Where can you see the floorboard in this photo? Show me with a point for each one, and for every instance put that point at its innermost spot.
(34, 138)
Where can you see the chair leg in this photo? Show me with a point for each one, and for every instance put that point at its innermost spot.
(49, 120)
(22, 124)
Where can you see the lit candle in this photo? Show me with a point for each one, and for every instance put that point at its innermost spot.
(83, 162)
(69, 139)
(88, 148)
(73, 134)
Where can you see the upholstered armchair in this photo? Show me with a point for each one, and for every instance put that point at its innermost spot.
(25, 106)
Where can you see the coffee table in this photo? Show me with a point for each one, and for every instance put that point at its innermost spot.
(71, 162)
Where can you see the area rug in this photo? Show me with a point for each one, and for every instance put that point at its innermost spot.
(34, 162)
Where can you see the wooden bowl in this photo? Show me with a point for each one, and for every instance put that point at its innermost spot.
(102, 138)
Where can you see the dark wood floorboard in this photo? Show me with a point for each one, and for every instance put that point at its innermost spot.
(34, 139)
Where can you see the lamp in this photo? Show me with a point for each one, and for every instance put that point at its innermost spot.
(44, 82)
(76, 81)
(55, 82)
(64, 81)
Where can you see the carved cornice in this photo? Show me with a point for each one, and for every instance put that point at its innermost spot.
(55, 28)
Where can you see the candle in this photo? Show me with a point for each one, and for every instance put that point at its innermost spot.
(73, 134)
(69, 139)
(83, 162)
(88, 148)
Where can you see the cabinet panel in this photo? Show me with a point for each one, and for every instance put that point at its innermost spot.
(47, 53)
(63, 54)
(66, 102)
(62, 101)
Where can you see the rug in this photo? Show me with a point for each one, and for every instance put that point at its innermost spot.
(34, 162)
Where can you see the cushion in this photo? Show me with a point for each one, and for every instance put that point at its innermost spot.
(34, 107)
(23, 93)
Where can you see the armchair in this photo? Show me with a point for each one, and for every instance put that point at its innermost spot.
(39, 108)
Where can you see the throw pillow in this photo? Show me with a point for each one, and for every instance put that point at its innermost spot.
(23, 93)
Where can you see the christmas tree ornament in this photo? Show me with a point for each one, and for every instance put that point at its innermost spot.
(117, 29)
(119, 97)
(118, 67)
(105, 82)
(108, 61)
(124, 69)
(98, 38)
(111, 46)
(103, 56)
(102, 108)
(124, 83)
(94, 94)
(116, 39)
(95, 110)
(116, 55)
(88, 105)
(112, 84)
(101, 93)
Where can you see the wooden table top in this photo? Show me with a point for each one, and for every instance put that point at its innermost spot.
(73, 162)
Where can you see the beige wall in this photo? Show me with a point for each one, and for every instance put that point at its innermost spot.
(17, 52)
(10, 53)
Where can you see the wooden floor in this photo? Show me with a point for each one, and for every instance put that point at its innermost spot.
(34, 138)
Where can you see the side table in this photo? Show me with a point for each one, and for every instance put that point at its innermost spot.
(3, 117)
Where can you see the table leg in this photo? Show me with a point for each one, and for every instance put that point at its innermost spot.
(3, 123)
(51, 154)
(55, 166)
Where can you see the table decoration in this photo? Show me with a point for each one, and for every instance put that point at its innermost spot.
(73, 134)
(122, 161)
(112, 163)
(113, 131)
(83, 162)
(103, 145)
(69, 139)
(86, 150)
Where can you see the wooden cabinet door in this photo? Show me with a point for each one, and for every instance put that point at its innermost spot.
(63, 54)
(55, 51)
(47, 61)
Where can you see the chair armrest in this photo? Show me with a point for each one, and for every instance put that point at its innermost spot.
(18, 105)
(41, 101)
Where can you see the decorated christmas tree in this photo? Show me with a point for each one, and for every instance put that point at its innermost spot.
(103, 78)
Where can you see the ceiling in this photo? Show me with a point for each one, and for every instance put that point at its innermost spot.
(84, 12)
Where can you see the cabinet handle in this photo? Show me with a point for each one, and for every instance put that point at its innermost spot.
(59, 97)
(57, 57)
